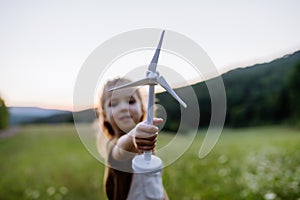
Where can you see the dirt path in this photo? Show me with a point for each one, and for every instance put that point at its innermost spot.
(8, 132)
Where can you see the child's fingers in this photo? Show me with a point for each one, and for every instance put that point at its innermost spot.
(157, 121)
(150, 128)
(145, 145)
(146, 148)
(146, 136)
(146, 128)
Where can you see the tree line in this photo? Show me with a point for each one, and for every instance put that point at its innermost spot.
(263, 94)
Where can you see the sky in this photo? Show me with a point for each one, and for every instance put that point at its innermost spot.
(44, 43)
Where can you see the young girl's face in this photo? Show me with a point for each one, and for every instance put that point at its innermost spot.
(123, 110)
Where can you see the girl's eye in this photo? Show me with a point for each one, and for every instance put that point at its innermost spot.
(112, 104)
(132, 100)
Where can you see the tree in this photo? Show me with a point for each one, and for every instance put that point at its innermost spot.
(4, 116)
(294, 95)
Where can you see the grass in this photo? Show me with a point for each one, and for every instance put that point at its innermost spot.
(254, 163)
(50, 162)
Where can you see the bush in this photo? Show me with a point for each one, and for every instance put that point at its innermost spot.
(4, 116)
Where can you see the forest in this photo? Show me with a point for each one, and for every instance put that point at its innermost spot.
(263, 94)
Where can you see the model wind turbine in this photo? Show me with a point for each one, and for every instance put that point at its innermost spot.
(148, 162)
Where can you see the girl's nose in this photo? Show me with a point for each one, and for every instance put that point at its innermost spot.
(123, 106)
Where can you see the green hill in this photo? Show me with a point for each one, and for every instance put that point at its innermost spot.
(256, 95)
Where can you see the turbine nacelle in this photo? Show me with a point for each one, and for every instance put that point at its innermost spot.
(153, 78)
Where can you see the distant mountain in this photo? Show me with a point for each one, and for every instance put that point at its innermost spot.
(33, 115)
(25, 115)
(34, 111)
(85, 116)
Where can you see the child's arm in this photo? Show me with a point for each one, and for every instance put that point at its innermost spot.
(141, 138)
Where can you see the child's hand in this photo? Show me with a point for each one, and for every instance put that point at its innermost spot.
(145, 135)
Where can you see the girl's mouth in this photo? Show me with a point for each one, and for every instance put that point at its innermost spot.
(127, 117)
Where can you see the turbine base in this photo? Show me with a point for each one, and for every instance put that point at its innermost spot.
(140, 165)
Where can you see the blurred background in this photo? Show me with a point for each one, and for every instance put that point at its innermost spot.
(254, 45)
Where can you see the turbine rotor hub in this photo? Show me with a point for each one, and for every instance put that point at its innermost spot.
(152, 77)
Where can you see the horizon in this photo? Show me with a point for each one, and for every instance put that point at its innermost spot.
(87, 107)
(41, 54)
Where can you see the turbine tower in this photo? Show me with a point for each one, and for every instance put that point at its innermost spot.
(148, 162)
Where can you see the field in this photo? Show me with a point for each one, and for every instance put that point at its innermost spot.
(50, 162)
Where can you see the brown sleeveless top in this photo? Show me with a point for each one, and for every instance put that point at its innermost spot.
(119, 177)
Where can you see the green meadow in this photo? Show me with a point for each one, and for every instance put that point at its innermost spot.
(50, 162)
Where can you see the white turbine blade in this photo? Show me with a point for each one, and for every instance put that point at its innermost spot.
(153, 64)
(141, 82)
(162, 81)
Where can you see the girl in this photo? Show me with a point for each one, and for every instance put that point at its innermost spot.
(121, 116)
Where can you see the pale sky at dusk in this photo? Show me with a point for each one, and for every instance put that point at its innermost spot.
(43, 44)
